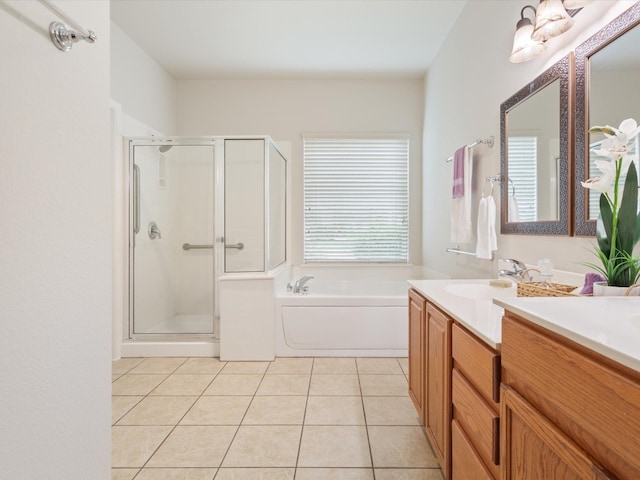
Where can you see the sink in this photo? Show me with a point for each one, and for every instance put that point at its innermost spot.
(479, 291)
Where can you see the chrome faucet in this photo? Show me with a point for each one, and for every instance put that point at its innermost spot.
(518, 273)
(300, 283)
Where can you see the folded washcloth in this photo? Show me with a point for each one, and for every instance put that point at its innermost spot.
(487, 240)
(589, 280)
(461, 227)
(458, 172)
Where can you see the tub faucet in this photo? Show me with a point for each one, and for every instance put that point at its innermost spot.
(518, 273)
(300, 283)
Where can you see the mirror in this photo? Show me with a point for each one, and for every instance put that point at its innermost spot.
(607, 73)
(535, 147)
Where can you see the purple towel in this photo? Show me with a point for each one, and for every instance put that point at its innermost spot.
(589, 280)
(458, 172)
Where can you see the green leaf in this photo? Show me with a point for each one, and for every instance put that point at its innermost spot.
(628, 213)
(603, 225)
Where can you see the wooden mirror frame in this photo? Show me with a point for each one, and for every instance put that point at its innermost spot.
(562, 71)
(618, 27)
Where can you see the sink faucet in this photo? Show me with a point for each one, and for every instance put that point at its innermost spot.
(300, 283)
(518, 273)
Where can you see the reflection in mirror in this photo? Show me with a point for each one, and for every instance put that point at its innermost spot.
(607, 73)
(535, 146)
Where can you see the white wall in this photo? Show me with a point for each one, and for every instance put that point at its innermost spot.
(143, 88)
(285, 109)
(55, 287)
(469, 80)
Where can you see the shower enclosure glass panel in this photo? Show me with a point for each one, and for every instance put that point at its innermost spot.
(277, 186)
(244, 205)
(172, 275)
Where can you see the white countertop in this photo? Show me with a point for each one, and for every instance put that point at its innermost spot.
(482, 317)
(607, 325)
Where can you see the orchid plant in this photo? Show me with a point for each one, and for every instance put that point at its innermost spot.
(618, 226)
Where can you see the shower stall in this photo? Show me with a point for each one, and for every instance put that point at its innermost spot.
(199, 209)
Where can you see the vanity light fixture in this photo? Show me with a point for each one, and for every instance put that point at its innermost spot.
(525, 47)
(551, 20)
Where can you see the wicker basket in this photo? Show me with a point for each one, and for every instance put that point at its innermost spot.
(533, 289)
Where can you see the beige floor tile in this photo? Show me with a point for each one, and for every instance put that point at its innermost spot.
(123, 473)
(183, 385)
(201, 366)
(232, 368)
(398, 447)
(120, 406)
(332, 446)
(159, 410)
(334, 385)
(132, 446)
(176, 474)
(136, 384)
(124, 364)
(336, 410)
(158, 365)
(404, 364)
(255, 474)
(334, 366)
(193, 446)
(384, 385)
(378, 366)
(115, 376)
(264, 446)
(284, 385)
(276, 410)
(409, 474)
(390, 411)
(290, 366)
(334, 474)
(234, 385)
(218, 410)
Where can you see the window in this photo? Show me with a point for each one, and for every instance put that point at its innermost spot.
(356, 200)
(523, 161)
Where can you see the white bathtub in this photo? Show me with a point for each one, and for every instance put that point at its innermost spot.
(344, 318)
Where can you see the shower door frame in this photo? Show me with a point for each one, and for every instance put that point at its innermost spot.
(218, 226)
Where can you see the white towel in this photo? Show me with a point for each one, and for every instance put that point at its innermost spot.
(487, 241)
(461, 230)
(514, 214)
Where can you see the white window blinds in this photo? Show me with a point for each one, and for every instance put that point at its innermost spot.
(523, 173)
(356, 200)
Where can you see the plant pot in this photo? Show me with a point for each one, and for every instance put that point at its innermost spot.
(601, 289)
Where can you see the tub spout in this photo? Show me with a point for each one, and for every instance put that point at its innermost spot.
(300, 283)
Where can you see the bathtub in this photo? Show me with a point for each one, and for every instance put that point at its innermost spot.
(344, 318)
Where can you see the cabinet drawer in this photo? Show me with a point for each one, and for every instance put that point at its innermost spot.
(466, 465)
(479, 364)
(479, 421)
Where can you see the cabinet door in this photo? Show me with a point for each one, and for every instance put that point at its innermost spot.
(417, 330)
(438, 386)
(533, 448)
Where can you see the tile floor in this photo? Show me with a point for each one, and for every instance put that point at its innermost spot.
(294, 418)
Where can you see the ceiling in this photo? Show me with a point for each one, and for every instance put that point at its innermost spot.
(205, 39)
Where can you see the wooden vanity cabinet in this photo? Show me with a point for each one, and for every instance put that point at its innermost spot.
(566, 411)
(417, 341)
(476, 411)
(430, 374)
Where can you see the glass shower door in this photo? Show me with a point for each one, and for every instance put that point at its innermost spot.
(172, 256)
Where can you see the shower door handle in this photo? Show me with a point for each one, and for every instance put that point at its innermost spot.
(136, 198)
(238, 246)
(188, 246)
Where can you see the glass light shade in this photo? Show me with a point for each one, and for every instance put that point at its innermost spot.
(524, 47)
(551, 20)
(575, 4)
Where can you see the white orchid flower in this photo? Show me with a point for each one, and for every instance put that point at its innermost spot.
(617, 141)
(603, 184)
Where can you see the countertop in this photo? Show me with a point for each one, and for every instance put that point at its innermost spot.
(607, 325)
(480, 316)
